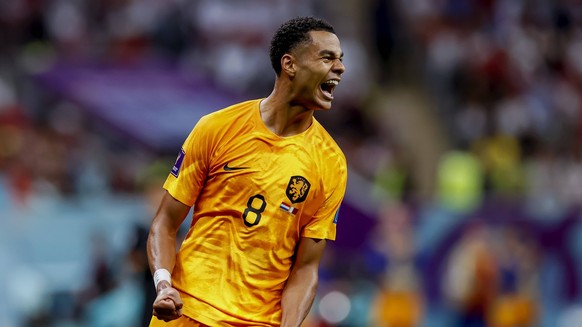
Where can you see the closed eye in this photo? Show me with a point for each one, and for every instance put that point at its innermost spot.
(328, 59)
(327, 55)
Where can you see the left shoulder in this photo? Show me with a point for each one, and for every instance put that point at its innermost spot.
(326, 143)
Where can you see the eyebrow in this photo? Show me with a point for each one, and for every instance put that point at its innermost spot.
(330, 53)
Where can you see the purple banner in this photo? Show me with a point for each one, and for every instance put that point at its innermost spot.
(155, 106)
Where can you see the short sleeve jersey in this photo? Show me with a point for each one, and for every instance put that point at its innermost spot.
(255, 194)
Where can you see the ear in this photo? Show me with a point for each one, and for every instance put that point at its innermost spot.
(288, 64)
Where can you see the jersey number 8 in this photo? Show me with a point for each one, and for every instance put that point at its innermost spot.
(255, 206)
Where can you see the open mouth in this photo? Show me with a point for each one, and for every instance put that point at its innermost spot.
(328, 87)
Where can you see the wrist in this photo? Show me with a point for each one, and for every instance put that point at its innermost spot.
(162, 285)
(162, 279)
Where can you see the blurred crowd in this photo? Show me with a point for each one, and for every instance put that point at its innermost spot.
(460, 120)
(506, 74)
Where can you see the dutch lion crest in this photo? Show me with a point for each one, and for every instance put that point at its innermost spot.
(297, 189)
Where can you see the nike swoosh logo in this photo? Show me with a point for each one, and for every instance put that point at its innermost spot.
(227, 168)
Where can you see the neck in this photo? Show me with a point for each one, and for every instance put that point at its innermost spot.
(282, 116)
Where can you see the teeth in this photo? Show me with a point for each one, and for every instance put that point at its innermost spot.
(332, 82)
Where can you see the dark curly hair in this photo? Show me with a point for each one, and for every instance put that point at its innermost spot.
(292, 33)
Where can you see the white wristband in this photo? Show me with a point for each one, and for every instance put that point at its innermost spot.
(160, 275)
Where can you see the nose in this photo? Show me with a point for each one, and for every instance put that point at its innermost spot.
(339, 67)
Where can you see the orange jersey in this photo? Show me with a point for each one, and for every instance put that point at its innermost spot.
(255, 194)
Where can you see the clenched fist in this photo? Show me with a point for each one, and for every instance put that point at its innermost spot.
(168, 304)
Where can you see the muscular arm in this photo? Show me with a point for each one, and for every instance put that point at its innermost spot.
(162, 236)
(162, 254)
(300, 290)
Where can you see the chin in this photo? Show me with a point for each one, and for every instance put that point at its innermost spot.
(320, 103)
(324, 105)
(317, 103)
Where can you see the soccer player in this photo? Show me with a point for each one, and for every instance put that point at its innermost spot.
(266, 182)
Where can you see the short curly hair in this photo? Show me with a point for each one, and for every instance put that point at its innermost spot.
(292, 33)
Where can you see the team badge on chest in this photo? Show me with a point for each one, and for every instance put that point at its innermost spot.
(297, 189)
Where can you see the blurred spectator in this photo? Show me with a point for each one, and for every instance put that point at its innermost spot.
(399, 301)
(517, 303)
(460, 182)
(492, 277)
(500, 158)
(471, 279)
(102, 277)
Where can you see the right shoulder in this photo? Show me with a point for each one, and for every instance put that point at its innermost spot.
(225, 117)
(222, 124)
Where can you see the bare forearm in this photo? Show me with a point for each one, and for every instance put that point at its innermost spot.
(162, 236)
(298, 296)
(162, 255)
(161, 248)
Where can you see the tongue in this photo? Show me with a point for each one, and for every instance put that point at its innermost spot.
(326, 89)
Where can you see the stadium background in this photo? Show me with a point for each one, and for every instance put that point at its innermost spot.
(460, 119)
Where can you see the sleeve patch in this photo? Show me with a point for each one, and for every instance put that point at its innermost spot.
(178, 164)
